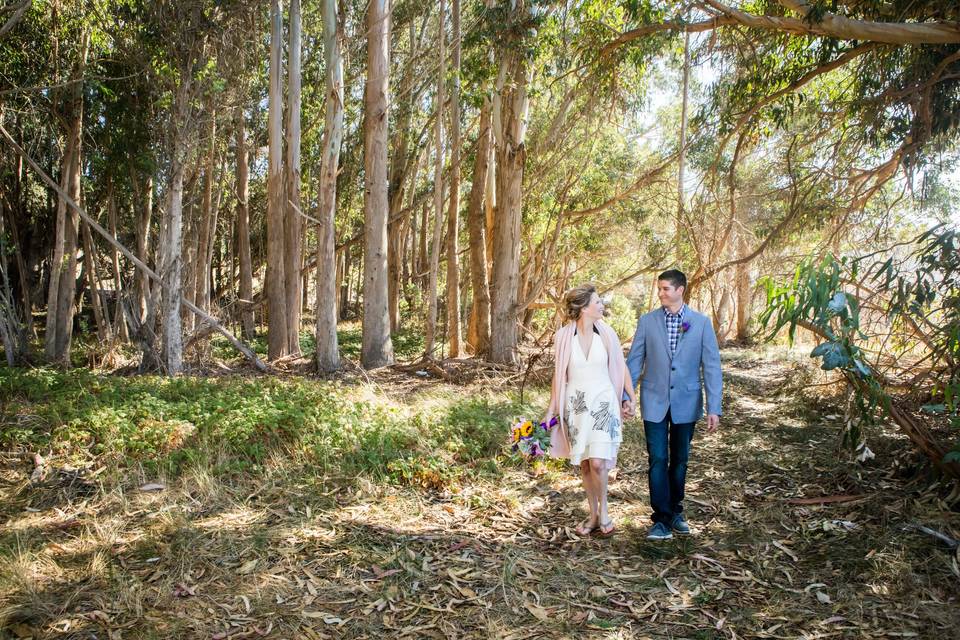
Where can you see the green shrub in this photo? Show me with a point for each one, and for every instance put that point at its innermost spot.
(237, 422)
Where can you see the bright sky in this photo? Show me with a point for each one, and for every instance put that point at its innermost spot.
(666, 92)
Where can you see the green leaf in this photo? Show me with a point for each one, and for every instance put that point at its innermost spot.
(833, 355)
(863, 369)
(838, 303)
(935, 409)
(952, 456)
(820, 349)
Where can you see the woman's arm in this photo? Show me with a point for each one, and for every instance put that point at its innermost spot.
(553, 408)
(628, 387)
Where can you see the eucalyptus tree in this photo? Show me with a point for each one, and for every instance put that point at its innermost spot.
(438, 186)
(510, 110)
(454, 332)
(882, 75)
(71, 29)
(328, 358)
(377, 347)
(293, 222)
(277, 340)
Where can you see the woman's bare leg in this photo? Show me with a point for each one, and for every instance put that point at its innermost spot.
(590, 489)
(600, 471)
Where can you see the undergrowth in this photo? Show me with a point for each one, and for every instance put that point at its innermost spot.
(236, 422)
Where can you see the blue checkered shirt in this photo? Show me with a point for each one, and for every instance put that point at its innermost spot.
(674, 320)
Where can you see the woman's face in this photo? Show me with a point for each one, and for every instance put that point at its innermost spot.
(595, 309)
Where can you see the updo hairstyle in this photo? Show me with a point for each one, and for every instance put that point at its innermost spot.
(577, 299)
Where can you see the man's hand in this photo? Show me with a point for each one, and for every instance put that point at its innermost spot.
(713, 421)
(629, 409)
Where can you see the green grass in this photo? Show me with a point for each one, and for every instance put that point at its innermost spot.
(237, 422)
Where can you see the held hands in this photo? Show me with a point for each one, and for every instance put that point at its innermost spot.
(629, 408)
(713, 421)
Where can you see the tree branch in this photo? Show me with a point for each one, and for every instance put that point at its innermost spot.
(641, 181)
(834, 26)
(829, 25)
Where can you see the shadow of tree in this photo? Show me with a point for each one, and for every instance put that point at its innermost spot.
(287, 552)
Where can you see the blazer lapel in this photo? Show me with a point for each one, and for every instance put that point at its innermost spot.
(661, 322)
(691, 320)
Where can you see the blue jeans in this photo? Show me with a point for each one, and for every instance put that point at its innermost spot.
(668, 448)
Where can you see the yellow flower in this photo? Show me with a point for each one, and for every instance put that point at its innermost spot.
(526, 429)
(516, 434)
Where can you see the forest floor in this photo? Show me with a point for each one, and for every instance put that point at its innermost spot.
(792, 539)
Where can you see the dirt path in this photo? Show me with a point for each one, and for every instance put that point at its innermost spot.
(286, 556)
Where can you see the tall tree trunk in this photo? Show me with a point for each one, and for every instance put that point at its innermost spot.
(63, 281)
(343, 307)
(414, 240)
(201, 267)
(454, 332)
(377, 347)
(189, 239)
(422, 259)
(293, 249)
(58, 264)
(13, 331)
(214, 222)
(18, 248)
(171, 262)
(512, 103)
(328, 357)
(68, 275)
(21, 264)
(143, 209)
(119, 322)
(393, 263)
(93, 284)
(682, 161)
(431, 328)
(243, 228)
(490, 193)
(741, 279)
(278, 343)
(478, 329)
(399, 167)
(148, 293)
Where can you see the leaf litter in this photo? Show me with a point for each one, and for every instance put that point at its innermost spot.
(791, 540)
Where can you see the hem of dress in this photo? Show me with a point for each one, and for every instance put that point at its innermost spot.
(610, 453)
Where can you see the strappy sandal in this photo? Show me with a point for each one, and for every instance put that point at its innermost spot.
(611, 529)
(582, 530)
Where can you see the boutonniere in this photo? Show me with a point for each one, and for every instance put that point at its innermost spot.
(684, 327)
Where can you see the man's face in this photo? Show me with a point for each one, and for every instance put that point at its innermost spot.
(670, 296)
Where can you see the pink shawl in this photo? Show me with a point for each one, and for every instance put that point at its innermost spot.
(562, 347)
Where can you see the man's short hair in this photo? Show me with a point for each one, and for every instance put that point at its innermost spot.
(674, 277)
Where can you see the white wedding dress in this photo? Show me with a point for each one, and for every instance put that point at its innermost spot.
(593, 407)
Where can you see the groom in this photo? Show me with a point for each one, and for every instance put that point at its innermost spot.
(670, 348)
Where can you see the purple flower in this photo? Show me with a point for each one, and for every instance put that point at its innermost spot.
(684, 327)
(553, 421)
(535, 450)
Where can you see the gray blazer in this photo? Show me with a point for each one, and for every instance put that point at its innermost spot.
(674, 382)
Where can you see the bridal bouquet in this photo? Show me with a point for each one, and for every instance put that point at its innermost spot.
(532, 439)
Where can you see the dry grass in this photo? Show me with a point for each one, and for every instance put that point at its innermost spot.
(291, 554)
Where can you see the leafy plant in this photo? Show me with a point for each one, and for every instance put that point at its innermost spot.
(919, 296)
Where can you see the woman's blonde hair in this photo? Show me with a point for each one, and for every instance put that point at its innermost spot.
(578, 298)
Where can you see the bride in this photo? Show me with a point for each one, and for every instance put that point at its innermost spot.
(589, 377)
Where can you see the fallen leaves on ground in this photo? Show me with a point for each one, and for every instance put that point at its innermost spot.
(790, 540)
